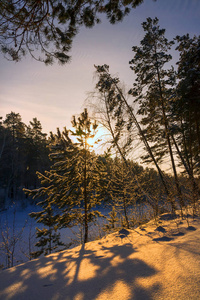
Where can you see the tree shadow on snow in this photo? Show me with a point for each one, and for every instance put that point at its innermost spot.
(86, 274)
(163, 239)
(114, 267)
(192, 228)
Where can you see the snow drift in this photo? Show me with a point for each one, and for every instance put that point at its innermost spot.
(156, 261)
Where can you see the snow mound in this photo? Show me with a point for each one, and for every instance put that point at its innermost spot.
(156, 261)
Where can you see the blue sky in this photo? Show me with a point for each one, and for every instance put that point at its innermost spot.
(54, 93)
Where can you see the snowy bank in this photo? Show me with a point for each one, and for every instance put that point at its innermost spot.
(156, 261)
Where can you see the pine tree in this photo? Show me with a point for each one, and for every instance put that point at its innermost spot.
(122, 188)
(112, 220)
(185, 109)
(117, 107)
(153, 85)
(187, 103)
(89, 168)
(36, 152)
(153, 90)
(76, 179)
(14, 153)
(49, 238)
(50, 26)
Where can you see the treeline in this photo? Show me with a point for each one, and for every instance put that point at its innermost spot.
(71, 184)
(23, 151)
(26, 151)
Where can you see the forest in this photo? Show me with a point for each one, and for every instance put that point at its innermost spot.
(63, 175)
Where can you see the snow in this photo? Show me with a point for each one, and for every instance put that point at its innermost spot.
(16, 222)
(156, 261)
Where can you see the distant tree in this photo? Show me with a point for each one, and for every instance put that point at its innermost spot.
(3, 144)
(152, 184)
(36, 153)
(2, 137)
(13, 156)
(14, 123)
(23, 151)
(52, 25)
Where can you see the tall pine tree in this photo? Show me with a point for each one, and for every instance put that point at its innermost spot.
(74, 185)
(153, 90)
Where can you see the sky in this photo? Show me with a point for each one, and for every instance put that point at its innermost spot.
(55, 93)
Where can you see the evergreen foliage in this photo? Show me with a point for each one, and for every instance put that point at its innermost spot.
(118, 109)
(155, 90)
(122, 188)
(185, 107)
(75, 183)
(167, 107)
(112, 220)
(36, 152)
(12, 153)
(91, 169)
(153, 85)
(23, 151)
(49, 238)
(51, 26)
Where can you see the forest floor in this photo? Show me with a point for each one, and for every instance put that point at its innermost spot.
(158, 260)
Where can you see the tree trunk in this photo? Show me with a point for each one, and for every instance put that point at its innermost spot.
(168, 141)
(85, 200)
(141, 134)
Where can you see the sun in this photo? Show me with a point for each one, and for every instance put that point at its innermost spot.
(99, 138)
(91, 141)
(96, 143)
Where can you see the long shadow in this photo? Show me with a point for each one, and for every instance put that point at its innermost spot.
(162, 239)
(114, 268)
(78, 263)
(65, 275)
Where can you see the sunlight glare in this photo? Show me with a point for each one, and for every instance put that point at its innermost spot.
(96, 141)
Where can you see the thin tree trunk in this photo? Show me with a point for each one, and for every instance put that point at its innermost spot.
(85, 200)
(187, 168)
(168, 138)
(125, 214)
(148, 148)
(150, 201)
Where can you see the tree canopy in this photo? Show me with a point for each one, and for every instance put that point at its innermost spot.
(46, 28)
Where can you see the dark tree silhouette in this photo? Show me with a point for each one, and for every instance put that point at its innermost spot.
(50, 26)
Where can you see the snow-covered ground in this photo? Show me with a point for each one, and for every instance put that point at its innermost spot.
(156, 261)
(18, 231)
(17, 227)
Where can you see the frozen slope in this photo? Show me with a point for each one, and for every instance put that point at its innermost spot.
(154, 262)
